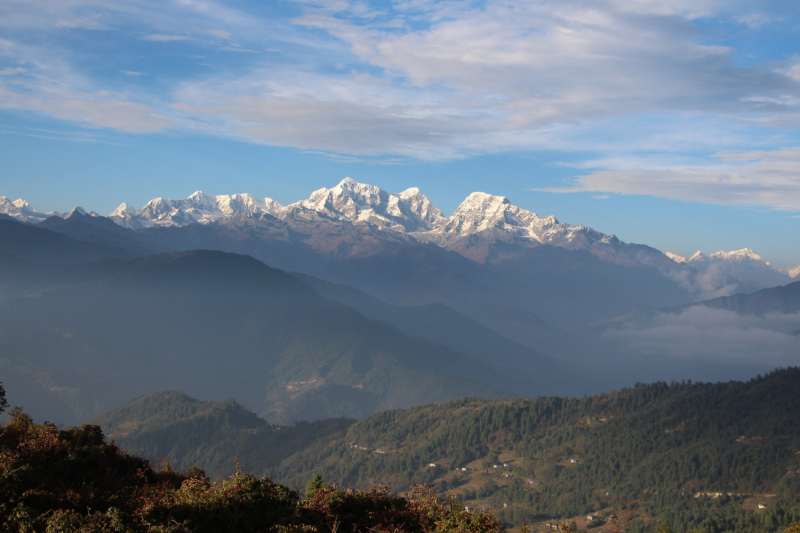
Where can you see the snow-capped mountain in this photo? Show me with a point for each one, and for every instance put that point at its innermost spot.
(198, 208)
(491, 216)
(744, 265)
(21, 210)
(349, 201)
(24, 212)
(483, 228)
(791, 272)
(356, 202)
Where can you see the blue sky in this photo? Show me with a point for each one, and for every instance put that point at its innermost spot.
(671, 123)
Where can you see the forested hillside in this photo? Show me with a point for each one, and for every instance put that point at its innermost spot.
(71, 481)
(190, 433)
(690, 455)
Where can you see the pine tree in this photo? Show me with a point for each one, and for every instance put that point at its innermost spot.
(313, 486)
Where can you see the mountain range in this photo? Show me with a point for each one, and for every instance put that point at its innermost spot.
(384, 303)
(482, 228)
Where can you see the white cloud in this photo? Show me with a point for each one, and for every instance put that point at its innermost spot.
(220, 34)
(91, 109)
(50, 86)
(712, 335)
(10, 71)
(163, 38)
(439, 80)
(89, 22)
(450, 80)
(749, 178)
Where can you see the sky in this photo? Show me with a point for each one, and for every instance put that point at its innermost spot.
(673, 123)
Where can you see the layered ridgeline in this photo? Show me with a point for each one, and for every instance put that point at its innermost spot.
(488, 255)
(724, 457)
(780, 300)
(348, 219)
(78, 340)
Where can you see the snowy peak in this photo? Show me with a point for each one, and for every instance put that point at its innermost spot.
(792, 272)
(124, 210)
(197, 208)
(361, 203)
(21, 210)
(736, 256)
(481, 211)
(675, 257)
(744, 265)
(77, 210)
(418, 205)
(745, 254)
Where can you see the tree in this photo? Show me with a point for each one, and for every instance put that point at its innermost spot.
(664, 528)
(3, 402)
(313, 486)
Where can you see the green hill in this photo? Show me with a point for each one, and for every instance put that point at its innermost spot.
(189, 432)
(686, 454)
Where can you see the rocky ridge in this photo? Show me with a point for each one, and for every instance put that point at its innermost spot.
(484, 228)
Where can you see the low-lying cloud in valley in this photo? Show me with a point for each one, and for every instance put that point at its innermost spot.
(700, 336)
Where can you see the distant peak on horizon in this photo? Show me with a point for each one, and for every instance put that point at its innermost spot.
(735, 255)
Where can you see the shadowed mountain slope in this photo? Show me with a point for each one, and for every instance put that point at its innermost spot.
(217, 325)
(784, 299)
(100, 230)
(41, 246)
(442, 325)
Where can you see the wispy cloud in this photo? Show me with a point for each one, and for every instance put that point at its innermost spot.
(89, 22)
(220, 34)
(748, 178)
(161, 38)
(10, 71)
(440, 80)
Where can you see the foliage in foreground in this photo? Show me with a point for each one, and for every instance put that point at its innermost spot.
(72, 481)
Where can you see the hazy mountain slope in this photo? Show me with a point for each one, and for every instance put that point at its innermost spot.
(681, 453)
(567, 288)
(99, 230)
(308, 248)
(42, 246)
(393, 267)
(442, 325)
(191, 432)
(784, 299)
(217, 325)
